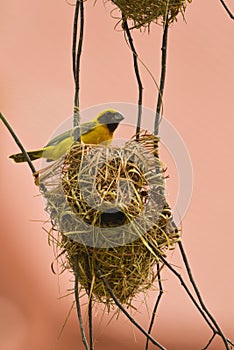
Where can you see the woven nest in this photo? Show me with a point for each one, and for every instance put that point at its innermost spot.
(107, 204)
(143, 12)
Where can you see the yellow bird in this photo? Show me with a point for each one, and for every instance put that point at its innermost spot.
(99, 130)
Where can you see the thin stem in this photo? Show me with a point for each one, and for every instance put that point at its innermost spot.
(74, 43)
(163, 75)
(189, 272)
(76, 57)
(209, 342)
(78, 307)
(79, 51)
(76, 52)
(117, 302)
(183, 284)
(227, 9)
(203, 310)
(13, 134)
(160, 287)
(90, 311)
(137, 73)
(230, 342)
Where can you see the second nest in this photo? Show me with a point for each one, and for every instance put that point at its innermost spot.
(143, 12)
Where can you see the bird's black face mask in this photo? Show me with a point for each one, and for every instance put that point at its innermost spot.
(111, 119)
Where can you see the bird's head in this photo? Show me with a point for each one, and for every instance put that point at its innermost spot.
(111, 118)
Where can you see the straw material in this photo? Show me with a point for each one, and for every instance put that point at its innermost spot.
(107, 204)
(143, 12)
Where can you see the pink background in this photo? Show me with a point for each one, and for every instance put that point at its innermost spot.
(37, 95)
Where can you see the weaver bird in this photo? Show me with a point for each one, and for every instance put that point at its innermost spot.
(99, 130)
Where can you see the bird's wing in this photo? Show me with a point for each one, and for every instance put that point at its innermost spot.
(57, 139)
(85, 128)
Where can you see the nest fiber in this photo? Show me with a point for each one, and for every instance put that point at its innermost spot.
(107, 204)
(143, 12)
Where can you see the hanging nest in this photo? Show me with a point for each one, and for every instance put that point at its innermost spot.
(143, 12)
(108, 206)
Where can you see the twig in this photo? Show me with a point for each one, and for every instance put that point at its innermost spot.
(137, 73)
(182, 283)
(90, 311)
(78, 308)
(99, 274)
(202, 309)
(156, 305)
(156, 129)
(227, 9)
(209, 342)
(76, 57)
(74, 44)
(163, 75)
(15, 137)
(189, 272)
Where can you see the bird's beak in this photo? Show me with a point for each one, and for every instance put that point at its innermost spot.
(119, 117)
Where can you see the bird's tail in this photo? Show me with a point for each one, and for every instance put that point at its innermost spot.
(33, 155)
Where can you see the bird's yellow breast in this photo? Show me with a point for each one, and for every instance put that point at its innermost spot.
(100, 134)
